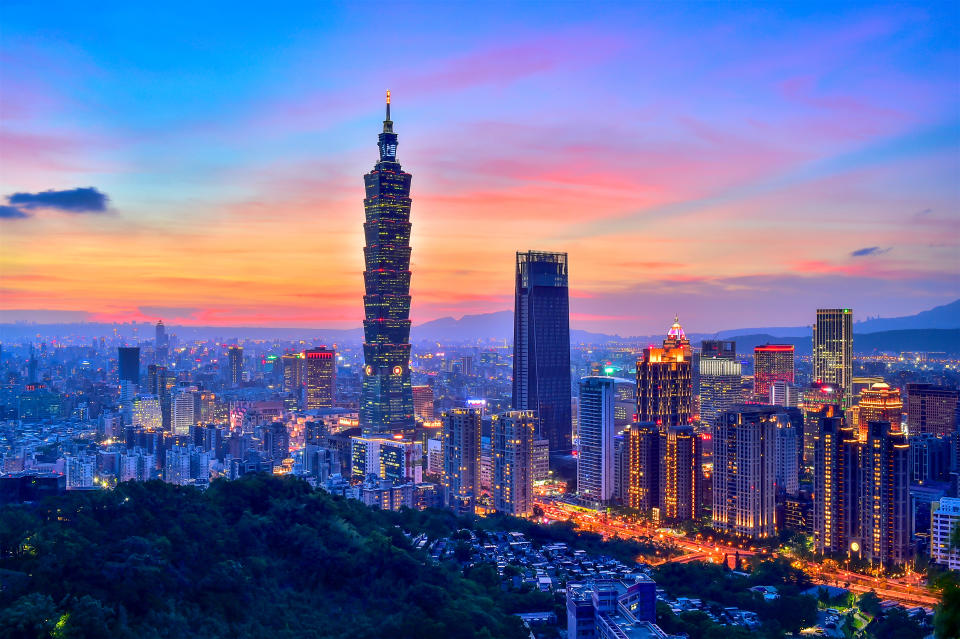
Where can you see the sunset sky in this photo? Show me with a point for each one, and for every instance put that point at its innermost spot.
(740, 164)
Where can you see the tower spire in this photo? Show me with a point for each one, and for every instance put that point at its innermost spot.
(388, 123)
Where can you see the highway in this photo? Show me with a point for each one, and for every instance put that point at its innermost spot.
(909, 592)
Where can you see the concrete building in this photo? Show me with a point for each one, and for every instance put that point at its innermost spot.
(833, 351)
(931, 409)
(643, 441)
(680, 473)
(884, 495)
(835, 504)
(944, 519)
(513, 437)
(461, 458)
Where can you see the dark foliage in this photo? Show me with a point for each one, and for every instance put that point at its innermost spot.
(258, 557)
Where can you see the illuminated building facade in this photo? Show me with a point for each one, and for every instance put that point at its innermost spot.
(128, 373)
(833, 351)
(643, 441)
(595, 422)
(771, 363)
(386, 402)
(235, 366)
(664, 382)
(320, 377)
(680, 471)
(423, 402)
(944, 518)
(541, 345)
(931, 409)
(820, 400)
(885, 495)
(513, 436)
(745, 471)
(836, 460)
(292, 372)
(879, 403)
(147, 413)
(184, 415)
(719, 387)
(393, 459)
(783, 394)
(461, 457)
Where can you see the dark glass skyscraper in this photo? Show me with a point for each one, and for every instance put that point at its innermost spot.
(541, 345)
(387, 398)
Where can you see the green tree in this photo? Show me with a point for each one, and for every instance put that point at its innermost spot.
(32, 616)
(869, 603)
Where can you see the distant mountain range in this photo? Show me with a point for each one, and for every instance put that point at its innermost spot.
(936, 329)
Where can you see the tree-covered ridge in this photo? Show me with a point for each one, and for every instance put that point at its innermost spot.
(257, 557)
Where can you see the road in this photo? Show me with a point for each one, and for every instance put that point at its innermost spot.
(903, 591)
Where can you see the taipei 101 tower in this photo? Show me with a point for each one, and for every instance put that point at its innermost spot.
(386, 403)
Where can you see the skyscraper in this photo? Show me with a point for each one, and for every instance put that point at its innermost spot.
(128, 372)
(833, 351)
(461, 457)
(235, 362)
(643, 441)
(513, 435)
(885, 495)
(745, 470)
(719, 387)
(771, 363)
(595, 422)
(879, 403)
(821, 400)
(386, 402)
(320, 377)
(184, 415)
(292, 372)
(423, 401)
(541, 345)
(664, 383)
(931, 409)
(680, 471)
(160, 343)
(835, 462)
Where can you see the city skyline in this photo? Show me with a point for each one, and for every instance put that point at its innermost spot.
(829, 175)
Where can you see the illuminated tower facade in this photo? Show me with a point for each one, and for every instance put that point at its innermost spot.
(292, 372)
(680, 471)
(836, 460)
(833, 351)
(771, 363)
(513, 437)
(931, 409)
(461, 458)
(595, 423)
(320, 376)
(885, 495)
(879, 403)
(664, 382)
(643, 440)
(386, 403)
(541, 345)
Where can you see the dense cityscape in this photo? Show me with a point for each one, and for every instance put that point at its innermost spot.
(502, 320)
(836, 464)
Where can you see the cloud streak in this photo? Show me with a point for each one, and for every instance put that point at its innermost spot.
(870, 250)
(79, 200)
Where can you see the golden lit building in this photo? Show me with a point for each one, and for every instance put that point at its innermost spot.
(513, 441)
(680, 461)
(292, 372)
(835, 485)
(884, 491)
(643, 440)
(879, 403)
(833, 351)
(664, 381)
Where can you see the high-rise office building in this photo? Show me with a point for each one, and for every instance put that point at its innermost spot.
(745, 470)
(461, 457)
(885, 495)
(931, 409)
(235, 364)
(423, 402)
(718, 349)
(771, 363)
(835, 504)
(680, 473)
(643, 440)
(386, 402)
(320, 377)
(664, 382)
(595, 422)
(879, 403)
(541, 345)
(820, 400)
(788, 451)
(833, 351)
(184, 416)
(160, 343)
(396, 460)
(128, 372)
(719, 387)
(513, 435)
(292, 372)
